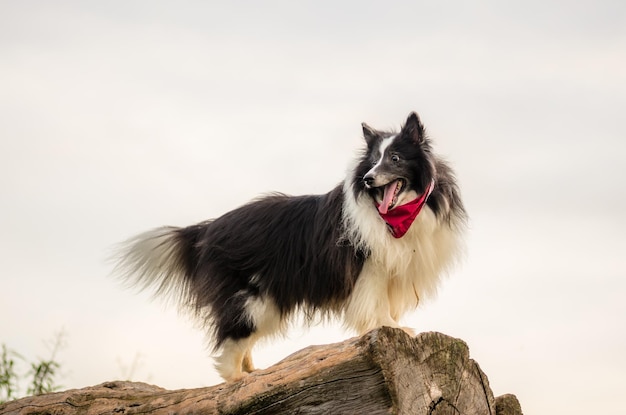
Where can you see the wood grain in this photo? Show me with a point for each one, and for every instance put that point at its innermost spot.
(383, 372)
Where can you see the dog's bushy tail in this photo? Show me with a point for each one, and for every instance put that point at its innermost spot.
(154, 260)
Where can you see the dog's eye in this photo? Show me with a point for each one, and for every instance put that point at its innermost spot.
(395, 158)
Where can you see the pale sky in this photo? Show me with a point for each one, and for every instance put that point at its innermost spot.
(119, 116)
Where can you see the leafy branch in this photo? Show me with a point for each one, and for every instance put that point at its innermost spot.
(41, 376)
(8, 375)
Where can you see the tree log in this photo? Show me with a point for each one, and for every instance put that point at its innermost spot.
(383, 372)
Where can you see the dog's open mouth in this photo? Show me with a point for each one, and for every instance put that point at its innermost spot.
(387, 195)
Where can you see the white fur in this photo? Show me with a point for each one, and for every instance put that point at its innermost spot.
(231, 362)
(264, 315)
(399, 271)
(383, 146)
(236, 357)
(397, 274)
(151, 257)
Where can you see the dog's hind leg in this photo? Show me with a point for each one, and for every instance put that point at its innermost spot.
(236, 358)
(261, 318)
(246, 364)
(235, 335)
(229, 364)
(267, 320)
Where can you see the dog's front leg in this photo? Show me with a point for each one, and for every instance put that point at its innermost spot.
(368, 305)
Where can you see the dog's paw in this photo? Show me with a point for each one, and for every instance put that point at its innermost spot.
(237, 377)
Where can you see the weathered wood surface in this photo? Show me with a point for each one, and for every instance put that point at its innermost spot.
(383, 372)
(508, 405)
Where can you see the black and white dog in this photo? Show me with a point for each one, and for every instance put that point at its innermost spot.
(366, 251)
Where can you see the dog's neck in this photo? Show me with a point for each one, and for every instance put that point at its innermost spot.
(400, 218)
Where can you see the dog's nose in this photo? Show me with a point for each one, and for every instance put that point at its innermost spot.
(368, 179)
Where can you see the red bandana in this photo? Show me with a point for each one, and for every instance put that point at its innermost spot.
(401, 217)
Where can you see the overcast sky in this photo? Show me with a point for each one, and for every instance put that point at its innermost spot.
(120, 116)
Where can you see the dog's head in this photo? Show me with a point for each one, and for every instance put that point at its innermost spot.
(397, 167)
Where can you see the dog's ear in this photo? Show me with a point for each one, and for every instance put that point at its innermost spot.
(413, 129)
(369, 134)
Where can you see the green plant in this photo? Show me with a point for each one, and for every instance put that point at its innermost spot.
(40, 377)
(8, 375)
(43, 373)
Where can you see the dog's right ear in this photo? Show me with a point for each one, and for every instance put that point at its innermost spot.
(369, 134)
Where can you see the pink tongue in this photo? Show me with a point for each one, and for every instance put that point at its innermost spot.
(390, 191)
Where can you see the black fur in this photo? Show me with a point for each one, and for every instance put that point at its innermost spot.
(290, 248)
(416, 150)
(295, 251)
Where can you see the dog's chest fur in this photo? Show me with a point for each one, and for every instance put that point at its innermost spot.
(410, 267)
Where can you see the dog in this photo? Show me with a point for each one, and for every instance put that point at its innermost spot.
(365, 252)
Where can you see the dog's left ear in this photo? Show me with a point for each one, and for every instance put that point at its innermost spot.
(413, 129)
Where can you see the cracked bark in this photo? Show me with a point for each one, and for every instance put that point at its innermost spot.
(382, 372)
